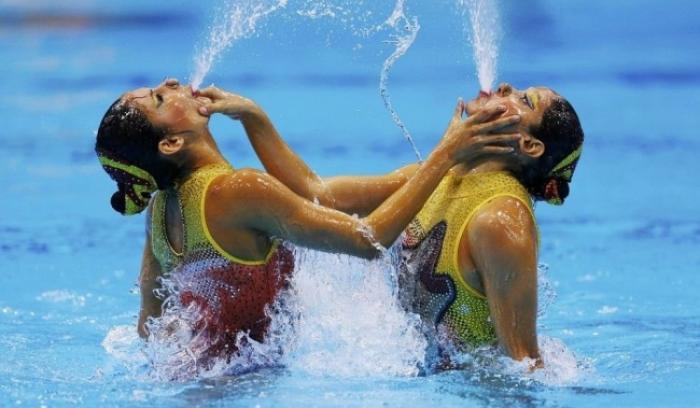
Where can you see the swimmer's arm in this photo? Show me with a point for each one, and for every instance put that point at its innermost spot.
(150, 304)
(350, 194)
(362, 194)
(266, 205)
(503, 243)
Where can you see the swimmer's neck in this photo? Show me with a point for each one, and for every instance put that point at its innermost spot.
(200, 153)
(485, 166)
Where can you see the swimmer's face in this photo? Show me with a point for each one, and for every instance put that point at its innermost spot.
(169, 106)
(530, 104)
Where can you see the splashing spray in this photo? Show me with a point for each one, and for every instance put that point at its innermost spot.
(484, 35)
(407, 32)
(349, 322)
(238, 22)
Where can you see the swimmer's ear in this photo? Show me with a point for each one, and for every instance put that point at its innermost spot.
(531, 146)
(171, 144)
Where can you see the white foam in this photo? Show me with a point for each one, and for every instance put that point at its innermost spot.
(561, 366)
(62, 296)
(608, 310)
(340, 318)
(349, 321)
(124, 344)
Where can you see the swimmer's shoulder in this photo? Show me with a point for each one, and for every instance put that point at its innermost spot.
(236, 197)
(245, 183)
(504, 220)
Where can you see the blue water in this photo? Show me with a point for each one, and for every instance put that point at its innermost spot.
(623, 253)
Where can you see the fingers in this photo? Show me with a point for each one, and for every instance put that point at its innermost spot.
(204, 111)
(486, 113)
(210, 92)
(496, 144)
(458, 112)
(213, 106)
(459, 109)
(498, 124)
(498, 139)
(498, 150)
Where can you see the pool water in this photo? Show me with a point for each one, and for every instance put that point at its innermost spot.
(622, 256)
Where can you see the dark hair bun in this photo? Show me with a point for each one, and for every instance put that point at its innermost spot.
(554, 190)
(118, 201)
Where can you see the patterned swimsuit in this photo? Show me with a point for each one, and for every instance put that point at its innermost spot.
(431, 283)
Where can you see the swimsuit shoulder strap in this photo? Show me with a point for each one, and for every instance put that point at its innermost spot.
(198, 237)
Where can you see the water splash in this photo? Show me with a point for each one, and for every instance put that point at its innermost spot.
(406, 32)
(356, 15)
(239, 21)
(349, 321)
(484, 35)
(368, 234)
(546, 295)
(340, 317)
(561, 365)
(178, 346)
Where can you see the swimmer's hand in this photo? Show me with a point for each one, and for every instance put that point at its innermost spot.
(232, 105)
(486, 132)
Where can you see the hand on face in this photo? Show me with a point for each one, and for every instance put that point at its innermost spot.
(488, 131)
(219, 101)
(530, 103)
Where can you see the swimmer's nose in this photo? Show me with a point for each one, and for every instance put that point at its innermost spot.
(172, 82)
(504, 89)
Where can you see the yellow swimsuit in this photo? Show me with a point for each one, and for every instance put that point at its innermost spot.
(431, 282)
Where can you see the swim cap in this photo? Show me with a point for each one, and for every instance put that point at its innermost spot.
(135, 184)
(560, 177)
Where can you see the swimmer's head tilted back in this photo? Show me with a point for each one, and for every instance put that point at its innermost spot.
(141, 137)
(551, 141)
(562, 135)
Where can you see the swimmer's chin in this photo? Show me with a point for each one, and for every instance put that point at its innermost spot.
(474, 105)
(479, 102)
